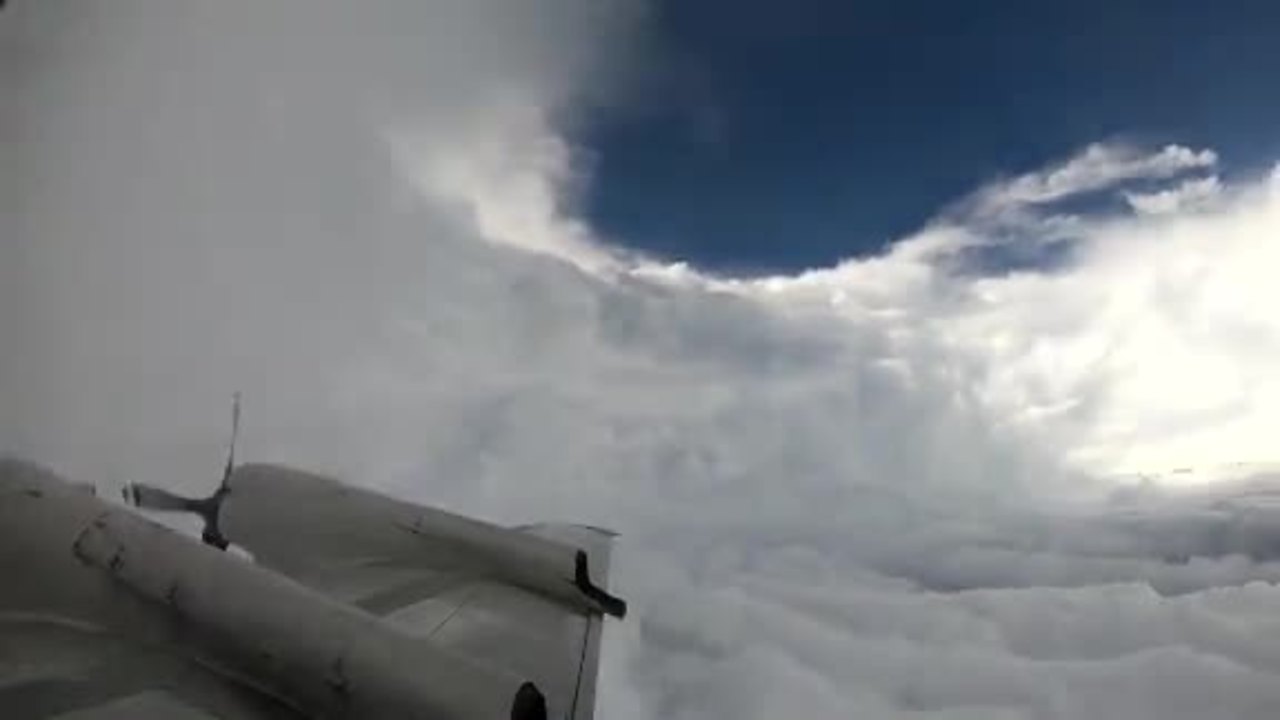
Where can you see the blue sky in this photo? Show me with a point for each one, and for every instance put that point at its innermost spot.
(765, 137)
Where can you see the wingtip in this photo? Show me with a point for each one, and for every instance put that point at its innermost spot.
(610, 604)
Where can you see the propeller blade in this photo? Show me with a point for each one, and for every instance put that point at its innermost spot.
(154, 498)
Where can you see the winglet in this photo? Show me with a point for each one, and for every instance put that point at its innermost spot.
(615, 606)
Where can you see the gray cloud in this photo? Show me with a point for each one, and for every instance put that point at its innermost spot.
(204, 199)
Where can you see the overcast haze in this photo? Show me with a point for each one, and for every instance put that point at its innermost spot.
(908, 485)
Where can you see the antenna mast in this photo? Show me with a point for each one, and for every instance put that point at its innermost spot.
(235, 434)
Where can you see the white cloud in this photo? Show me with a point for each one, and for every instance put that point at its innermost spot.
(1193, 193)
(870, 490)
(511, 172)
(1097, 167)
(1148, 349)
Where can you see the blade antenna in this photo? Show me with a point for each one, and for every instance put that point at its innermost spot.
(231, 444)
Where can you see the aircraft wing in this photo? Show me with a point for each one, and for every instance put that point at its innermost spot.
(510, 597)
(356, 605)
(74, 645)
(54, 668)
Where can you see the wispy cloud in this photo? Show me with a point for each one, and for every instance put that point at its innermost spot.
(1194, 193)
(1097, 167)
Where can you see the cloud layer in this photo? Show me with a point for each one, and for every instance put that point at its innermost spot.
(886, 489)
